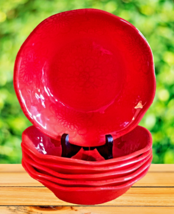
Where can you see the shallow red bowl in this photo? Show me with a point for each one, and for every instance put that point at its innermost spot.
(129, 146)
(107, 182)
(85, 195)
(94, 176)
(87, 73)
(83, 169)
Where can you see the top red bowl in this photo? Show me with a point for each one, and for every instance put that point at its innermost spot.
(130, 146)
(86, 73)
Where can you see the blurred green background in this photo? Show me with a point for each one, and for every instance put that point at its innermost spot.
(154, 18)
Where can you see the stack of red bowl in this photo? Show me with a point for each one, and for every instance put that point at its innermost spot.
(86, 74)
(87, 182)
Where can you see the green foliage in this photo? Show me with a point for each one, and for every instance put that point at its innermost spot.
(154, 18)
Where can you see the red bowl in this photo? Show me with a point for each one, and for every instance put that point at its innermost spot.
(94, 176)
(85, 195)
(107, 182)
(72, 169)
(87, 73)
(131, 145)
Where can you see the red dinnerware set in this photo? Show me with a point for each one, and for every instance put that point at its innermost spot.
(85, 78)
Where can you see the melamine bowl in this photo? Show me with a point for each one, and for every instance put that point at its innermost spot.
(84, 169)
(73, 76)
(129, 146)
(92, 176)
(107, 182)
(85, 195)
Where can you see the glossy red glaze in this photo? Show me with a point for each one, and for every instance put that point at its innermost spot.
(95, 176)
(110, 181)
(86, 73)
(135, 143)
(85, 195)
(84, 169)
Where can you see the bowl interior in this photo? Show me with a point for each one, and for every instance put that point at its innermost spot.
(85, 80)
